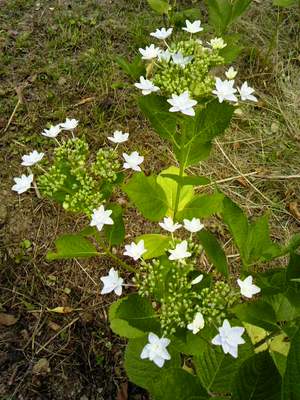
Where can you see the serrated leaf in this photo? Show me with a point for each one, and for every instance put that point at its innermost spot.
(257, 378)
(72, 246)
(133, 316)
(291, 383)
(214, 252)
(155, 244)
(115, 233)
(259, 313)
(170, 188)
(160, 6)
(135, 69)
(202, 206)
(147, 195)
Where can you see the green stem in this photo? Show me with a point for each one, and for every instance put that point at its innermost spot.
(179, 187)
(123, 264)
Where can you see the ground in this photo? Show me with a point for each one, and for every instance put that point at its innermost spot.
(58, 60)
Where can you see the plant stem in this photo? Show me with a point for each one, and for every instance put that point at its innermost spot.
(123, 264)
(179, 187)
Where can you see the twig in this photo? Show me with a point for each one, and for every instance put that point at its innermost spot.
(20, 101)
(85, 271)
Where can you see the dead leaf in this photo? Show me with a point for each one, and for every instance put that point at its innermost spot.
(242, 181)
(54, 326)
(41, 367)
(61, 310)
(7, 319)
(294, 209)
(84, 101)
(123, 392)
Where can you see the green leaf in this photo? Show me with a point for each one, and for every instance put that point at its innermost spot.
(219, 12)
(115, 233)
(156, 109)
(291, 382)
(144, 373)
(258, 379)
(191, 14)
(160, 6)
(177, 384)
(238, 8)
(259, 313)
(72, 246)
(133, 316)
(202, 206)
(155, 244)
(285, 3)
(233, 48)
(187, 180)
(293, 268)
(147, 195)
(214, 252)
(286, 305)
(217, 370)
(170, 188)
(134, 69)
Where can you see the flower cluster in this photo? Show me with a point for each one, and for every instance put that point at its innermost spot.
(183, 71)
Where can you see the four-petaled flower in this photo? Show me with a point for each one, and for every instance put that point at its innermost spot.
(101, 217)
(231, 73)
(32, 158)
(146, 86)
(150, 52)
(156, 350)
(112, 283)
(182, 103)
(22, 183)
(217, 43)
(118, 137)
(52, 132)
(197, 324)
(132, 161)
(247, 287)
(180, 252)
(246, 92)
(162, 33)
(225, 90)
(69, 124)
(192, 27)
(180, 60)
(229, 338)
(169, 225)
(193, 225)
(134, 250)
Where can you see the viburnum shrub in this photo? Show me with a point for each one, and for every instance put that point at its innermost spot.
(193, 332)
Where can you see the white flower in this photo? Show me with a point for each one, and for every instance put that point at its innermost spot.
(182, 103)
(118, 137)
(134, 250)
(197, 324)
(193, 225)
(229, 338)
(192, 27)
(225, 90)
(101, 217)
(132, 161)
(180, 60)
(180, 252)
(53, 131)
(112, 283)
(146, 86)
(217, 43)
(198, 279)
(162, 33)
(246, 92)
(247, 287)
(31, 158)
(231, 73)
(22, 184)
(149, 52)
(156, 350)
(165, 55)
(69, 124)
(169, 225)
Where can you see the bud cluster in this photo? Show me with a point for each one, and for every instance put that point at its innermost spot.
(194, 77)
(76, 182)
